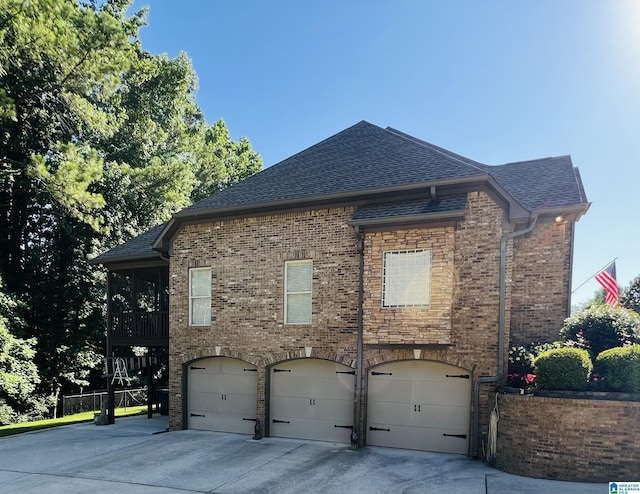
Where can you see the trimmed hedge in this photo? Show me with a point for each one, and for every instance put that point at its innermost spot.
(620, 368)
(563, 368)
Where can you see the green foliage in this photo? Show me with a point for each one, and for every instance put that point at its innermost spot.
(563, 369)
(520, 359)
(520, 372)
(601, 327)
(67, 175)
(222, 162)
(99, 141)
(18, 373)
(620, 368)
(630, 296)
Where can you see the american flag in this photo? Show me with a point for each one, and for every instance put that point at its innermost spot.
(607, 278)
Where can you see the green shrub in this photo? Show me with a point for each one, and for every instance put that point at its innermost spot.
(601, 327)
(620, 368)
(563, 369)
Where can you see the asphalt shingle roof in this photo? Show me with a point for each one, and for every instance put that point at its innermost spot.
(365, 158)
(136, 247)
(362, 157)
(410, 208)
(542, 183)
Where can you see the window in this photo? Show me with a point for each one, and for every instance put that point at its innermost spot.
(200, 296)
(407, 278)
(297, 296)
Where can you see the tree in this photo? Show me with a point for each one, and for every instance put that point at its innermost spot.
(601, 327)
(630, 296)
(221, 162)
(99, 140)
(61, 65)
(18, 373)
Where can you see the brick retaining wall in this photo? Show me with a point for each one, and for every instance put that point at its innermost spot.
(569, 439)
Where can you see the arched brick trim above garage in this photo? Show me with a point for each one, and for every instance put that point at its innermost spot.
(446, 356)
(319, 353)
(200, 354)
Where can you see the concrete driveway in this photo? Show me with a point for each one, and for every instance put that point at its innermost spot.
(136, 456)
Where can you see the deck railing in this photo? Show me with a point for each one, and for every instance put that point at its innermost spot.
(139, 325)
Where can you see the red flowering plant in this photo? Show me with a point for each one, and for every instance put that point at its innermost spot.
(597, 382)
(520, 373)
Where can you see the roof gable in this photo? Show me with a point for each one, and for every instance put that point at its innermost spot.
(362, 158)
(368, 161)
(139, 247)
(546, 183)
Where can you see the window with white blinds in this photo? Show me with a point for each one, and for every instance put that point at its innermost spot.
(297, 297)
(407, 278)
(200, 296)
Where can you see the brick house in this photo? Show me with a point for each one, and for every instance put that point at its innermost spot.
(364, 290)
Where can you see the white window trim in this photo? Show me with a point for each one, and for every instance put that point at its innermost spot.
(192, 297)
(286, 293)
(387, 305)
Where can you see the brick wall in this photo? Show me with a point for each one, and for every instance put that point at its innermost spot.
(462, 321)
(541, 282)
(247, 259)
(472, 248)
(409, 325)
(569, 439)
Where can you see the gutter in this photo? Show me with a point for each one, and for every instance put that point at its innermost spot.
(409, 218)
(501, 331)
(345, 197)
(318, 199)
(355, 432)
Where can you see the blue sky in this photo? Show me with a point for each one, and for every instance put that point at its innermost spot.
(495, 81)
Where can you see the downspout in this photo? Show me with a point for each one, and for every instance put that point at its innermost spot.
(501, 331)
(355, 434)
(110, 405)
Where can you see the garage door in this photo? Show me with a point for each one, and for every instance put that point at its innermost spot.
(222, 395)
(312, 399)
(419, 405)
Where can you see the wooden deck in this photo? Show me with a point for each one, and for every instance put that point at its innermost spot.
(139, 329)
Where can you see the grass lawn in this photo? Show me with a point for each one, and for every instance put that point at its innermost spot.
(8, 430)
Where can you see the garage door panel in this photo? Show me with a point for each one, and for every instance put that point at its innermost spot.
(309, 398)
(432, 392)
(317, 430)
(414, 438)
(222, 393)
(388, 390)
(224, 422)
(223, 402)
(414, 370)
(222, 382)
(316, 408)
(302, 367)
(418, 414)
(330, 386)
(419, 405)
(417, 392)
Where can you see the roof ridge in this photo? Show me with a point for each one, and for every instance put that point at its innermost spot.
(321, 142)
(576, 174)
(533, 160)
(445, 152)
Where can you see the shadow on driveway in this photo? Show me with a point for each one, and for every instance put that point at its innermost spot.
(133, 456)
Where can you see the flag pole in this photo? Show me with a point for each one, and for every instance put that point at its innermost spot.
(598, 271)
